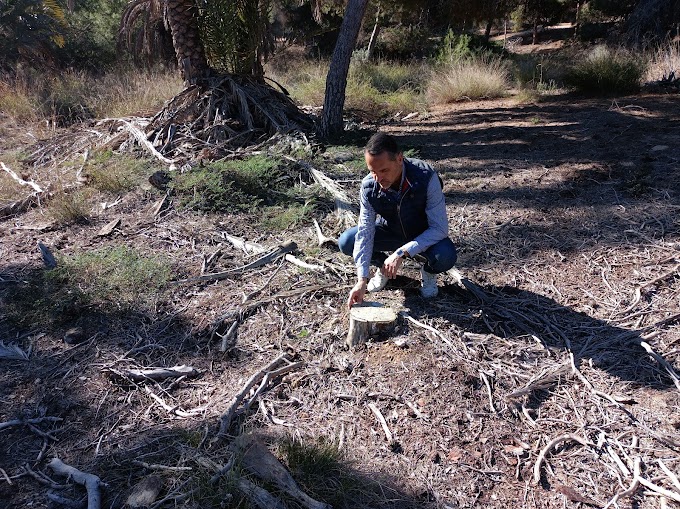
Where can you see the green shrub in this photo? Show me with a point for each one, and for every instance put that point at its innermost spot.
(476, 78)
(456, 47)
(231, 186)
(121, 276)
(69, 208)
(111, 280)
(117, 173)
(404, 43)
(604, 71)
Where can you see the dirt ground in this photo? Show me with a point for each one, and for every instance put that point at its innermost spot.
(546, 379)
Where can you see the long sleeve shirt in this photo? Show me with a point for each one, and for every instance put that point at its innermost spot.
(437, 226)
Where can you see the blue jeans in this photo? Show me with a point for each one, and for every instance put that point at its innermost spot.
(438, 258)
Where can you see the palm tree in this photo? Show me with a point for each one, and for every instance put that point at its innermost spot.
(31, 30)
(181, 16)
(219, 46)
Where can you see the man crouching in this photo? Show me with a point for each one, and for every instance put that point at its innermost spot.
(402, 213)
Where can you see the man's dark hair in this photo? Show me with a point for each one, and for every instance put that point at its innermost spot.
(382, 142)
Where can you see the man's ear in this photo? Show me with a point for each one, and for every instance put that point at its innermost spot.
(400, 157)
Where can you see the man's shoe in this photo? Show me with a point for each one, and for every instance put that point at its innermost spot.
(377, 282)
(428, 288)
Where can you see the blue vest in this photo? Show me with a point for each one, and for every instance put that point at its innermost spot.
(405, 216)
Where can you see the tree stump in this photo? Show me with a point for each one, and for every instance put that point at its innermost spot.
(368, 319)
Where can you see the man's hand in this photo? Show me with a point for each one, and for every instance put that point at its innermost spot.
(356, 294)
(392, 265)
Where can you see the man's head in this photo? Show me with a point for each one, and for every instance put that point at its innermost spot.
(384, 160)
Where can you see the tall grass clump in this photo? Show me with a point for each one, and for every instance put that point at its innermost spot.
(375, 88)
(481, 77)
(604, 71)
(664, 62)
(133, 91)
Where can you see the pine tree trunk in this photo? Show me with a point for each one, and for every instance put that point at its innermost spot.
(336, 81)
(183, 21)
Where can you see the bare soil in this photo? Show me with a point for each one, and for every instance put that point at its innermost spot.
(565, 213)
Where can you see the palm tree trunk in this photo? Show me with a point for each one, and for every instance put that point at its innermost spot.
(336, 80)
(182, 18)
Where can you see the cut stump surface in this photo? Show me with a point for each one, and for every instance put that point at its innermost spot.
(368, 319)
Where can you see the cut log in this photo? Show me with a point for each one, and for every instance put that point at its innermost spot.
(368, 319)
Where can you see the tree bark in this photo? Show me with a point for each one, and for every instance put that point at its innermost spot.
(183, 21)
(336, 80)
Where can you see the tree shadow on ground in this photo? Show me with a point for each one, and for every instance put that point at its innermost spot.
(525, 319)
(566, 174)
(107, 425)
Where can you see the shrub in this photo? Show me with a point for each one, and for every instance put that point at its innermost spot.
(404, 43)
(476, 78)
(604, 71)
(121, 275)
(378, 89)
(69, 208)
(542, 73)
(229, 186)
(456, 47)
(110, 279)
(116, 174)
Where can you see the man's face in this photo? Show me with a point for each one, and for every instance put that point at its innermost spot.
(385, 170)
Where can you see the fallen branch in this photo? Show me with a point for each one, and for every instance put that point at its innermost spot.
(378, 415)
(12, 352)
(257, 459)
(21, 181)
(24, 204)
(21, 422)
(541, 456)
(322, 238)
(258, 496)
(267, 374)
(155, 466)
(156, 374)
(253, 248)
(139, 135)
(173, 409)
(288, 247)
(343, 204)
(90, 481)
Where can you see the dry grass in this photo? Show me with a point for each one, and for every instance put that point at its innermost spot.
(130, 92)
(374, 88)
(72, 96)
(476, 78)
(664, 61)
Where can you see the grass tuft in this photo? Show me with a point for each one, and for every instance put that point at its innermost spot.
(605, 71)
(322, 472)
(118, 277)
(109, 280)
(664, 62)
(69, 208)
(474, 78)
(116, 174)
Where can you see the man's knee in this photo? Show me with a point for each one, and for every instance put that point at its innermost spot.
(346, 241)
(442, 256)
